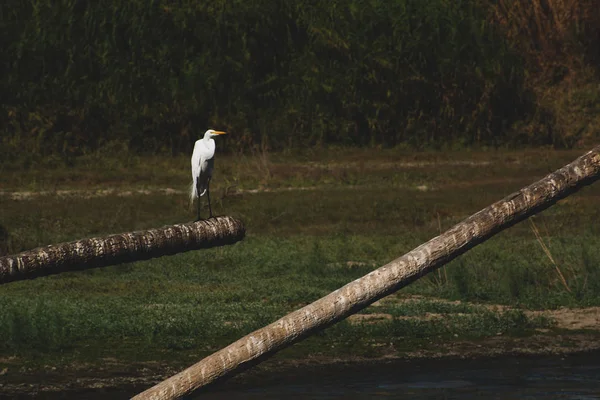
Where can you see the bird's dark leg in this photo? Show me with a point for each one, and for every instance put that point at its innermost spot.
(198, 204)
(208, 196)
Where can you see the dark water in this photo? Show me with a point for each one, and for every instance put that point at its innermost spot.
(571, 377)
(574, 377)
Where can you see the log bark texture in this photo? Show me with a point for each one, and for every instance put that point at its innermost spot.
(124, 247)
(381, 282)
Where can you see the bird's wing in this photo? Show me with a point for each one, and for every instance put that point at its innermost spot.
(195, 163)
(202, 165)
(196, 156)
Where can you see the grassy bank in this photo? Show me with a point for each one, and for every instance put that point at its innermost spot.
(315, 222)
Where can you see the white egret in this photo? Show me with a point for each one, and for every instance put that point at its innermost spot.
(203, 160)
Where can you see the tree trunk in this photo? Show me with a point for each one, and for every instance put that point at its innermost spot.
(124, 247)
(360, 293)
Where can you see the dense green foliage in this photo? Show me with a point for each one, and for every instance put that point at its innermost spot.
(151, 75)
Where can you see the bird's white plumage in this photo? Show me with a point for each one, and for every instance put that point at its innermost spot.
(202, 163)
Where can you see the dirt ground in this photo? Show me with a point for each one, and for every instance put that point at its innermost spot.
(575, 319)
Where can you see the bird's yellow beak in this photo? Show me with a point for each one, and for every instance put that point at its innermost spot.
(220, 133)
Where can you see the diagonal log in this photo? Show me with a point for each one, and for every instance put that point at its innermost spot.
(124, 247)
(381, 282)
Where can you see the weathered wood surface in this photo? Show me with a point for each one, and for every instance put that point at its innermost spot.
(360, 293)
(124, 247)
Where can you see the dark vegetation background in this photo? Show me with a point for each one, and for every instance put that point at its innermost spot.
(78, 77)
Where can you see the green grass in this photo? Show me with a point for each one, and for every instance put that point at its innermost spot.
(298, 247)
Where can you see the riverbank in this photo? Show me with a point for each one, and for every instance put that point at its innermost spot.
(125, 380)
(315, 221)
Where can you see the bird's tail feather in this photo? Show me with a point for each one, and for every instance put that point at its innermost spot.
(194, 193)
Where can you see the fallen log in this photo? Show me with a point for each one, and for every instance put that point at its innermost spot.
(120, 248)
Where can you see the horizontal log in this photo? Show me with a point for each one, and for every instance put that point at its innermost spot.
(120, 248)
(356, 295)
